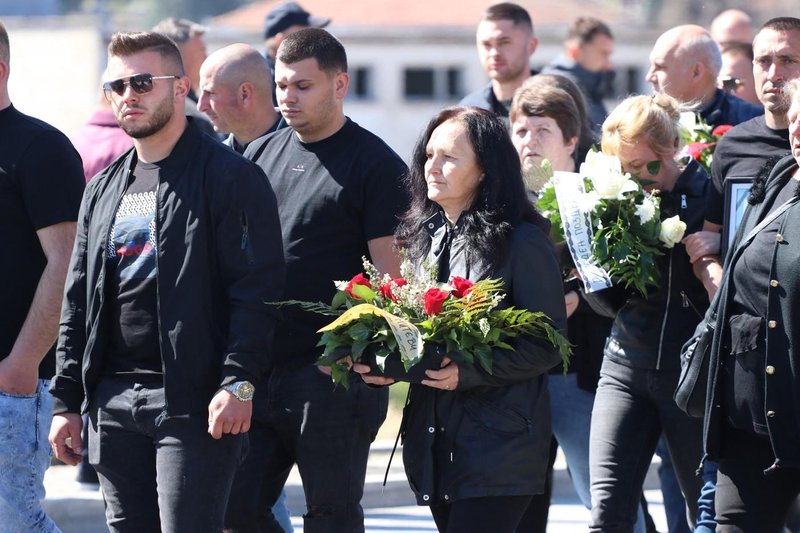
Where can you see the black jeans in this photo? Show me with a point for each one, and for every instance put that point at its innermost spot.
(747, 499)
(497, 514)
(631, 409)
(324, 429)
(158, 473)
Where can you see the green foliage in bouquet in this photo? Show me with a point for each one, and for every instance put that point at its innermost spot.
(399, 315)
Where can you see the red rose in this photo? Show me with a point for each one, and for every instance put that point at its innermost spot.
(359, 279)
(721, 130)
(696, 149)
(434, 299)
(386, 288)
(461, 286)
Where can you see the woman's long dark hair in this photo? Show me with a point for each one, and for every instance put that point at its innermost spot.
(500, 203)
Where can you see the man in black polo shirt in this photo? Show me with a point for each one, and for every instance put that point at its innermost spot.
(164, 328)
(745, 149)
(41, 182)
(505, 46)
(340, 195)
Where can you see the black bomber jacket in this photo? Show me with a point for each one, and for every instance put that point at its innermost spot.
(649, 331)
(219, 257)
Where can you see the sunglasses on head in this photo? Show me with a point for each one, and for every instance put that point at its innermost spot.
(139, 83)
(729, 83)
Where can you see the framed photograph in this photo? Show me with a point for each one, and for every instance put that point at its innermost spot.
(736, 191)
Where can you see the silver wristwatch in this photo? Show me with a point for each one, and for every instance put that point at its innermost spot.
(243, 390)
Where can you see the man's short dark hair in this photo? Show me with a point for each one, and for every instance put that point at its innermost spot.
(517, 14)
(584, 29)
(125, 44)
(316, 43)
(5, 45)
(781, 24)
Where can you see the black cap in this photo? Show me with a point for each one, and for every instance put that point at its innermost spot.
(290, 14)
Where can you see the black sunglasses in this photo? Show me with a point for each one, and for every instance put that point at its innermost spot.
(139, 83)
(729, 83)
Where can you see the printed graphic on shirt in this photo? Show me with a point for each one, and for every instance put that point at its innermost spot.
(133, 237)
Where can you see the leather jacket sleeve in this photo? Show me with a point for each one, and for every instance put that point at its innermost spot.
(533, 282)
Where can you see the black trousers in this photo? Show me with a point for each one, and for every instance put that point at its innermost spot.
(326, 430)
(158, 473)
(497, 514)
(747, 499)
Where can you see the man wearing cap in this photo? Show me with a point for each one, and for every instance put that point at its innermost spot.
(281, 22)
(188, 35)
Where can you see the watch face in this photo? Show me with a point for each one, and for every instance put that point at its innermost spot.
(245, 390)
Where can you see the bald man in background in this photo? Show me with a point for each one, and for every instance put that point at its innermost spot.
(685, 63)
(732, 26)
(236, 94)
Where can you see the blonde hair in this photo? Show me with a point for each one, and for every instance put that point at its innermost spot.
(644, 119)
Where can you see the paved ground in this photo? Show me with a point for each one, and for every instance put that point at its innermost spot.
(388, 509)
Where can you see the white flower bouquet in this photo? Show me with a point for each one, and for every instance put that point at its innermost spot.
(626, 231)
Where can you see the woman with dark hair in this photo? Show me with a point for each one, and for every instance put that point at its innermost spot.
(476, 444)
(752, 414)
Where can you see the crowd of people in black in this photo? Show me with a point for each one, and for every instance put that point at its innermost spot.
(136, 341)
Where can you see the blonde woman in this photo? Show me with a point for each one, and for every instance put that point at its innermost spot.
(641, 364)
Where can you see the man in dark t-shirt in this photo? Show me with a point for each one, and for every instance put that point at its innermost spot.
(164, 328)
(41, 183)
(744, 150)
(340, 194)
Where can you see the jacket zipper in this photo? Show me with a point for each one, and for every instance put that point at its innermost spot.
(158, 291)
(666, 312)
(669, 293)
(688, 303)
(246, 239)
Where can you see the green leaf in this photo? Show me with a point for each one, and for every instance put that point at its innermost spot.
(654, 167)
(339, 299)
(359, 331)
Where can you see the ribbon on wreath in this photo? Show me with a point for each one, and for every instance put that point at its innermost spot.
(409, 339)
(578, 230)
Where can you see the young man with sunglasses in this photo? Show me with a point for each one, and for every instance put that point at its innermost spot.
(41, 182)
(163, 328)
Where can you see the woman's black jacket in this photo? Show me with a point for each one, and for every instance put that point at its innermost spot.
(219, 257)
(491, 436)
(782, 333)
(648, 332)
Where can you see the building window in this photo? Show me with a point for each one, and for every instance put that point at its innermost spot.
(361, 83)
(419, 83)
(427, 83)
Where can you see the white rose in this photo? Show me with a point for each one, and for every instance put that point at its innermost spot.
(588, 201)
(646, 210)
(672, 230)
(605, 173)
